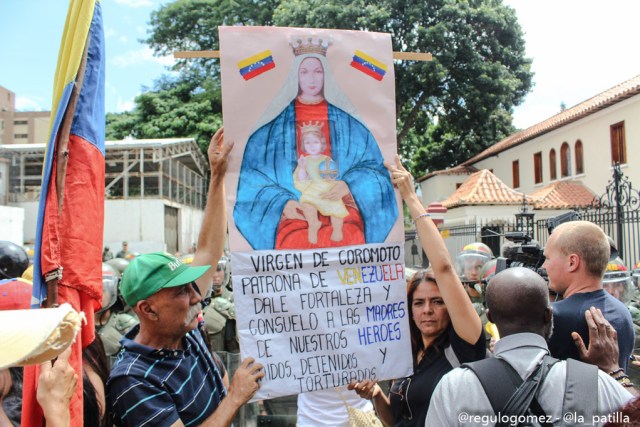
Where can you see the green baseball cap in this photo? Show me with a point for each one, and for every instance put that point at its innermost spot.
(149, 273)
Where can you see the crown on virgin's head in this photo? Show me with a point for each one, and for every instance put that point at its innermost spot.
(303, 46)
(311, 127)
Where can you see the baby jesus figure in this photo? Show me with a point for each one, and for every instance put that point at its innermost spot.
(315, 176)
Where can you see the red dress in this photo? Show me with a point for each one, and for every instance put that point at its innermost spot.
(293, 233)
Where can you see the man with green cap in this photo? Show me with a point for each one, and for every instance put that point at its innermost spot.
(165, 375)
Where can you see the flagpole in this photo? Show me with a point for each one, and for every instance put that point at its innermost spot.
(62, 159)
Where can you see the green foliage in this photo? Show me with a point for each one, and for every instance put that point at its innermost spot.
(175, 109)
(448, 109)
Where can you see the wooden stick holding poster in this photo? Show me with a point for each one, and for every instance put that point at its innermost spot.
(315, 229)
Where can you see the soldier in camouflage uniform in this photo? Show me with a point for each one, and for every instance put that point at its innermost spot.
(617, 281)
(114, 319)
(220, 314)
(634, 308)
(469, 263)
(470, 266)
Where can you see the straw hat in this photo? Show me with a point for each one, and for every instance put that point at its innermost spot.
(30, 337)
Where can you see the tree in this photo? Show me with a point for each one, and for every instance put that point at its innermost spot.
(455, 106)
(188, 104)
(447, 110)
(177, 108)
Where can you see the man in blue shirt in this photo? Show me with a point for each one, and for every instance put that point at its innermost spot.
(577, 254)
(165, 375)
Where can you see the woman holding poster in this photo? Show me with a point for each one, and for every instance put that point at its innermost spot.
(445, 328)
(268, 211)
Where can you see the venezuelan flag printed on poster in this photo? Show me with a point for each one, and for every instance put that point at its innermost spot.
(255, 65)
(69, 229)
(369, 65)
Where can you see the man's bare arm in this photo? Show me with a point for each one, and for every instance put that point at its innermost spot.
(214, 224)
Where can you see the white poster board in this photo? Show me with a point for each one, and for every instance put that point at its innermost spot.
(319, 286)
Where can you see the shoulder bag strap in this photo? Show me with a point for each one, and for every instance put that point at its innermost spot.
(451, 357)
(524, 398)
(505, 389)
(581, 392)
(498, 379)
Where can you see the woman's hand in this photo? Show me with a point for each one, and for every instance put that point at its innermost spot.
(56, 386)
(337, 192)
(366, 389)
(291, 211)
(401, 179)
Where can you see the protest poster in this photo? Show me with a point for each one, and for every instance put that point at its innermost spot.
(315, 226)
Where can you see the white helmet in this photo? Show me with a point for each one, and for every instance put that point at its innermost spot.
(110, 279)
(617, 280)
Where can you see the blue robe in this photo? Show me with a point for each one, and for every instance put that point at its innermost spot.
(266, 177)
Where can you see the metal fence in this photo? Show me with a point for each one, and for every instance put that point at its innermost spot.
(623, 228)
(491, 233)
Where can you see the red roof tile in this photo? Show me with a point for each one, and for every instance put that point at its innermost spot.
(483, 188)
(562, 195)
(603, 100)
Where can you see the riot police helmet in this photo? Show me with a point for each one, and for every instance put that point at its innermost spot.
(470, 261)
(110, 279)
(120, 264)
(617, 280)
(222, 275)
(13, 260)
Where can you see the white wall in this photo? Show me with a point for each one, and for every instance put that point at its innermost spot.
(138, 221)
(189, 220)
(12, 224)
(141, 224)
(30, 219)
(470, 214)
(4, 181)
(439, 187)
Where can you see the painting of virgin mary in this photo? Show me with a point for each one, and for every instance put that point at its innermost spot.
(268, 212)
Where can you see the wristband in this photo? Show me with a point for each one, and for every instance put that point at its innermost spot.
(423, 215)
(617, 371)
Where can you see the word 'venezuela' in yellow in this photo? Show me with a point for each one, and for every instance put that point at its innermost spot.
(371, 274)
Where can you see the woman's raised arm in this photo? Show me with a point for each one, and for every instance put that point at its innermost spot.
(464, 318)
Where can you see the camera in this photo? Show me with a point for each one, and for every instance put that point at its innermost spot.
(522, 250)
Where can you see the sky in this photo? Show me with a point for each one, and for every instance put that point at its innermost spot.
(579, 49)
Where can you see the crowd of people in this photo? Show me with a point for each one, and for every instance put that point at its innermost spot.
(164, 319)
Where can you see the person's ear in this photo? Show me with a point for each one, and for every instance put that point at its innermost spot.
(146, 309)
(573, 262)
(548, 315)
(488, 313)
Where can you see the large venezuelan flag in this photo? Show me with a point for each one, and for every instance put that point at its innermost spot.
(71, 211)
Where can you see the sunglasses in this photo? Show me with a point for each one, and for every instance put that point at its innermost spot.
(401, 389)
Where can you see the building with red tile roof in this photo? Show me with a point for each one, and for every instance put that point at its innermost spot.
(483, 188)
(561, 162)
